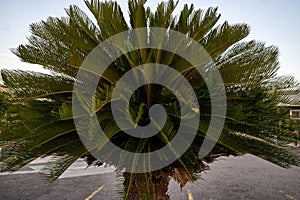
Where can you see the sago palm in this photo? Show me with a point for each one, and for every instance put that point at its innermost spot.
(37, 117)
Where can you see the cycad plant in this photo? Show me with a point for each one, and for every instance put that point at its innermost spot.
(37, 118)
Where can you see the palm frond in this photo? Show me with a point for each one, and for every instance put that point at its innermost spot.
(36, 111)
(33, 85)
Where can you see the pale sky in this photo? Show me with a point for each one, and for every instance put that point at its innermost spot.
(275, 22)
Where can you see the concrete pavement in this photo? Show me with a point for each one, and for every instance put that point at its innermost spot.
(245, 177)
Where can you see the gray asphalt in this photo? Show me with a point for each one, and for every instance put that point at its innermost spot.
(245, 177)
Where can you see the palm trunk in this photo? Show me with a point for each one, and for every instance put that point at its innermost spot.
(147, 186)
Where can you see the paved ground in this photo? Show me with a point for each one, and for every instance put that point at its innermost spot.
(244, 177)
(78, 182)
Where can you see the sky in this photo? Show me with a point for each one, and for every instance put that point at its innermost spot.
(275, 22)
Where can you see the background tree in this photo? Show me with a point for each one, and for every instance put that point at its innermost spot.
(38, 120)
